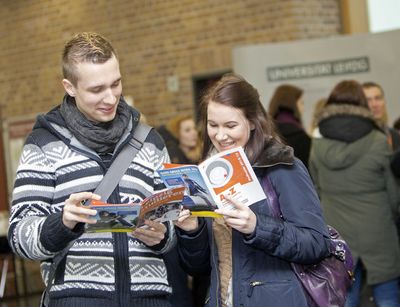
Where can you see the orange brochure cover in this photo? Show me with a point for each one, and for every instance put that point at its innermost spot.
(226, 173)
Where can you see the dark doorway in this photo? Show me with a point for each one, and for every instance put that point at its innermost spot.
(201, 84)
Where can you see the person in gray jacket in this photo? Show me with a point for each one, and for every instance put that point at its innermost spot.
(350, 166)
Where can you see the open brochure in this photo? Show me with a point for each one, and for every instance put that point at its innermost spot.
(162, 206)
(226, 173)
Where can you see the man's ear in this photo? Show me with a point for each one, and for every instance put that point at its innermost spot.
(69, 87)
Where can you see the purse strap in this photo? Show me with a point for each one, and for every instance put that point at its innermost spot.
(272, 198)
(338, 247)
(104, 189)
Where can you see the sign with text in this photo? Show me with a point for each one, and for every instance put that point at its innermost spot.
(318, 65)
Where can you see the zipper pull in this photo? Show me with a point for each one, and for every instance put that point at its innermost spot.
(251, 287)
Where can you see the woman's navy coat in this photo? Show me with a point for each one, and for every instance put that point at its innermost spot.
(261, 272)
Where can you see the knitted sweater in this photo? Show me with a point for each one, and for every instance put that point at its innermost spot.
(112, 267)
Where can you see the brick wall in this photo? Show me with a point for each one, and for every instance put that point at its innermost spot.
(155, 39)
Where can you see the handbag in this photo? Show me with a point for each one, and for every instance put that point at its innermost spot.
(325, 283)
(104, 189)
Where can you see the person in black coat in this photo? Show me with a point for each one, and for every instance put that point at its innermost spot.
(286, 107)
(395, 165)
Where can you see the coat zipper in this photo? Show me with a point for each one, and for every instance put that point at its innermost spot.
(252, 285)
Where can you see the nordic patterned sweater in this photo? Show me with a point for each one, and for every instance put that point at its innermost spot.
(110, 268)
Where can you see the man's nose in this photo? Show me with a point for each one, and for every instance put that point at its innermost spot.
(110, 98)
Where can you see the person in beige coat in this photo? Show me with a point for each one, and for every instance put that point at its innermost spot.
(350, 166)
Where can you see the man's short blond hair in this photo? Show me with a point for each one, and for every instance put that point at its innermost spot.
(85, 47)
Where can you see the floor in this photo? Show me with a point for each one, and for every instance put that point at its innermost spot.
(34, 300)
(22, 280)
(28, 301)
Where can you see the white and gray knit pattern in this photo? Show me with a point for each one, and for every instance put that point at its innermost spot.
(49, 171)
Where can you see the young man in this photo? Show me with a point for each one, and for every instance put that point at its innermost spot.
(63, 160)
(377, 105)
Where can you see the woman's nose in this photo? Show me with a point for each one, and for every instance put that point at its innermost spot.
(220, 136)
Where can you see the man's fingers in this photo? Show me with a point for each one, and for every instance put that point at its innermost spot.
(80, 210)
(155, 226)
(79, 197)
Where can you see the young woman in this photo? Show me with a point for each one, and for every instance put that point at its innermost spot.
(182, 139)
(248, 251)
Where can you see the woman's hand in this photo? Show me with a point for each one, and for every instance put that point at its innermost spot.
(241, 218)
(75, 212)
(186, 221)
(151, 235)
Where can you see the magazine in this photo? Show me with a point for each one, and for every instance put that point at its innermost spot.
(227, 173)
(162, 206)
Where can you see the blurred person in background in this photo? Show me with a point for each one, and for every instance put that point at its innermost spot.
(396, 125)
(350, 166)
(314, 130)
(396, 156)
(286, 107)
(182, 139)
(377, 104)
(395, 164)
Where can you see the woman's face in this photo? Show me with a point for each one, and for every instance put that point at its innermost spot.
(227, 126)
(188, 134)
(300, 105)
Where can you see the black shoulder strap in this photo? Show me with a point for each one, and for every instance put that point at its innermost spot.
(105, 188)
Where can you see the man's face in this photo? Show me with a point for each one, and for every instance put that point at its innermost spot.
(98, 89)
(376, 101)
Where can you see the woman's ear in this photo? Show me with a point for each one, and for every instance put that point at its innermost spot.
(69, 87)
(252, 126)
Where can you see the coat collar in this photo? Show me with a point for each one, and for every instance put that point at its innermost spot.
(275, 153)
(345, 122)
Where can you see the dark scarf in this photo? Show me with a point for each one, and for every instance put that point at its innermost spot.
(101, 137)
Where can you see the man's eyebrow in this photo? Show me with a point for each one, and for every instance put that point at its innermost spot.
(95, 87)
(117, 80)
(100, 86)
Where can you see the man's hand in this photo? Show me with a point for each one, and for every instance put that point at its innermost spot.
(151, 235)
(241, 218)
(75, 212)
(186, 221)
